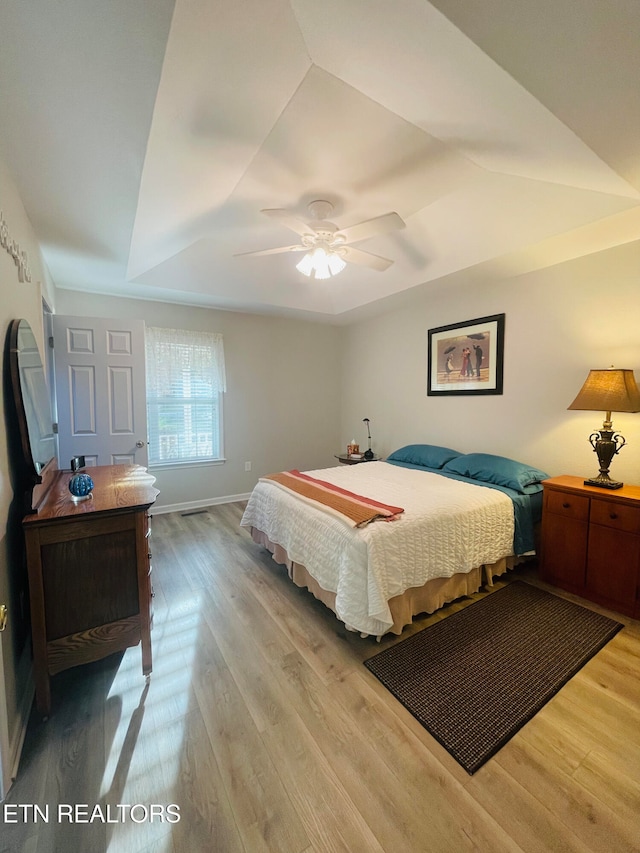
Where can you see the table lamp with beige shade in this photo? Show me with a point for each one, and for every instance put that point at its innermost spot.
(609, 390)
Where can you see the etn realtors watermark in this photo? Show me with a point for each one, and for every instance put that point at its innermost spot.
(87, 813)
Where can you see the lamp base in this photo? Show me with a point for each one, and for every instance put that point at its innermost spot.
(604, 482)
(368, 454)
(606, 445)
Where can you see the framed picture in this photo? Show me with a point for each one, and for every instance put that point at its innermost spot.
(466, 358)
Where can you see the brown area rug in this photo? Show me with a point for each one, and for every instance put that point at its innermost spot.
(476, 677)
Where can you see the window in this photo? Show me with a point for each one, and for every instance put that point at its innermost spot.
(185, 384)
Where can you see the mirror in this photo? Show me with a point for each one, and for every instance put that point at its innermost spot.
(32, 402)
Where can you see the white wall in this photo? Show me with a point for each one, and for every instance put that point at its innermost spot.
(282, 405)
(560, 323)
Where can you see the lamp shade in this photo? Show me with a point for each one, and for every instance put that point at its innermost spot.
(610, 390)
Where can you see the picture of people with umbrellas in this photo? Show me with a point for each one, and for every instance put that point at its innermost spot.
(463, 358)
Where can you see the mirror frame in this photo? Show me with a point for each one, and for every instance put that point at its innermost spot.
(37, 477)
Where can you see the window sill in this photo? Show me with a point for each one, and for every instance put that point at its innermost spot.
(202, 463)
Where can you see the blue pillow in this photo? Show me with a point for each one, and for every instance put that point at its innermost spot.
(426, 455)
(498, 470)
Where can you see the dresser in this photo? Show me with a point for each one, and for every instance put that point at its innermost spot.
(89, 568)
(591, 542)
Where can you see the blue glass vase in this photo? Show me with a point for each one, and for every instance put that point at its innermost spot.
(80, 486)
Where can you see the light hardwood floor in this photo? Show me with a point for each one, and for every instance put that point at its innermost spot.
(262, 725)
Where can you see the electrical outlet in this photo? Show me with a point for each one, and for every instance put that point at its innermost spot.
(247, 466)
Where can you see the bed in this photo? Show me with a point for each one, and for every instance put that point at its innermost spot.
(463, 519)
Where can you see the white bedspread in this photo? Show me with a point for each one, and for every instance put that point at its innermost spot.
(447, 527)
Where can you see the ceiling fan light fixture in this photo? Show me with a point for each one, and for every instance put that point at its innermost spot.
(321, 264)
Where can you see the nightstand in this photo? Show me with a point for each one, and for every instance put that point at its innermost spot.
(591, 542)
(352, 460)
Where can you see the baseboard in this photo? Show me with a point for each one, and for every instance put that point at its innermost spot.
(191, 505)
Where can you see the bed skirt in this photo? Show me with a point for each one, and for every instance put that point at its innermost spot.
(416, 600)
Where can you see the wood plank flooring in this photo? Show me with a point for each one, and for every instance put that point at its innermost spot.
(261, 724)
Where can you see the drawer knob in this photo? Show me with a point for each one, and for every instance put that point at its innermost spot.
(613, 515)
(566, 505)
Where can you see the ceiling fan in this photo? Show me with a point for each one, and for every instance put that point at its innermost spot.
(328, 248)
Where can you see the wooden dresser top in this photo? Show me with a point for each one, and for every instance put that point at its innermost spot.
(569, 483)
(116, 487)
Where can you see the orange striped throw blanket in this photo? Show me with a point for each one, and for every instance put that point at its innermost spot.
(356, 510)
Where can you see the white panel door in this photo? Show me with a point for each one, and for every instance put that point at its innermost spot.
(100, 390)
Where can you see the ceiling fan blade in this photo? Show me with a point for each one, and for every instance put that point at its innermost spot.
(370, 227)
(365, 259)
(292, 222)
(276, 251)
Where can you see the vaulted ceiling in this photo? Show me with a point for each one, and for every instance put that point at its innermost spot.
(145, 137)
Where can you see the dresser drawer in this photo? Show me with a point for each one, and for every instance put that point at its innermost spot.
(568, 505)
(618, 515)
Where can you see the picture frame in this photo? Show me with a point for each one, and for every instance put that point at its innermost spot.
(466, 358)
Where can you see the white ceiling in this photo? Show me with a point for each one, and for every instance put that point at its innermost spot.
(145, 136)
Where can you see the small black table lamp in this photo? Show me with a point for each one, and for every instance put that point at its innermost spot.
(368, 454)
(610, 390)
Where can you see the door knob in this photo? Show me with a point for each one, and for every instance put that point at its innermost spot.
(139, 443)
(4, 616)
